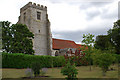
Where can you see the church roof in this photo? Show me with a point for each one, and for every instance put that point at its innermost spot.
(61, 44)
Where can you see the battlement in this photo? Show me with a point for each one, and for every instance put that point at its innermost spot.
(33, 5)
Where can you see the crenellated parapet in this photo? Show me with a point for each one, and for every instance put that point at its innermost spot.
(33, 5)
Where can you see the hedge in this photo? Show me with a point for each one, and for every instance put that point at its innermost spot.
(19, 60)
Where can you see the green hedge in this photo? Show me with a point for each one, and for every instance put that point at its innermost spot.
(19, 60)
(58, 61)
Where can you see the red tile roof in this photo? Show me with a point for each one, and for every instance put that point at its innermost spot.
(61, 44)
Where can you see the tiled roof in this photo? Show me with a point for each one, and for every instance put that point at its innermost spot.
(61, 44)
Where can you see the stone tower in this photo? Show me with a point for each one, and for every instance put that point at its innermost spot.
(36, 19)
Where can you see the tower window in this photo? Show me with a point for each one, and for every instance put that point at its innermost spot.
(38, 15)
(24, 16)
(39, 31)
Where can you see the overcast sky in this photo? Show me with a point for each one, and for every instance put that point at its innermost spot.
(70, 19)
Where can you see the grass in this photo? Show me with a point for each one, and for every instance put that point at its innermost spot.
(83, 72)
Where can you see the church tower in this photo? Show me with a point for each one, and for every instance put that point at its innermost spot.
(36, 19)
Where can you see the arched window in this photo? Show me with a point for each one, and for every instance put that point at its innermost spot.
(39, 31)
(56, 53)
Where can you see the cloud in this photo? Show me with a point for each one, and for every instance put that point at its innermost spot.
(70, 19)
(106, 10)
(77, 35)
(99, 4)
(65, 17)
(97, 29)
(110, 11)
(92, 12)
(86, 5)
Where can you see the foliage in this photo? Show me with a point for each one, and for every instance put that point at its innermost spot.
(17, 38)
(88, 41)
(6, 35)
(71, 60)
(114, 36)
(58, 61)
(19, 60)
(104, 61)
(102, 42)
(95, 56)
(69, 70)
(36, 67)
(78, 58)
(98, 52)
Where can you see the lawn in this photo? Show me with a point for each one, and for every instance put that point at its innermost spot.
(83, 72)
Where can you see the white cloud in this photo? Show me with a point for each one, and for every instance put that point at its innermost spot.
(66, 15)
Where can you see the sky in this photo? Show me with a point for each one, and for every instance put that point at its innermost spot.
(70, 19)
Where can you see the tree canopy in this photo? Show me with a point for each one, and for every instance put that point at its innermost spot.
(114, 36)
(17, 38)
(102, 42)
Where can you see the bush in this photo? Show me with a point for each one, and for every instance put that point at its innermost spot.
(70, 71)
(104, 61)
(19, 60)
(36, 67)
(12, 60)
(58, 61)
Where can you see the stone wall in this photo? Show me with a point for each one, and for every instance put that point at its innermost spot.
(42, 42)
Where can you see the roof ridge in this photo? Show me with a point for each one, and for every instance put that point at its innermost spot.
(63, 40)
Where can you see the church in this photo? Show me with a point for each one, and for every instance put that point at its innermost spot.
(36, 18)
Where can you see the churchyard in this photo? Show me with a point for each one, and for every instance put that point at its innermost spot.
(83, 72)
(101, 60)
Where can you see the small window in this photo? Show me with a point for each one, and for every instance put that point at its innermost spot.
(56, 53)
(24, 16)
(38, 15)
(39, 31)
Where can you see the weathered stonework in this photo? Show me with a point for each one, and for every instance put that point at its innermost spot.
(42, 42)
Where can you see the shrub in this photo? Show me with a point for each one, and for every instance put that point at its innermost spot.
(19, 60)
(36, 67)
(104, 61)
(70, 71)
(58, 61)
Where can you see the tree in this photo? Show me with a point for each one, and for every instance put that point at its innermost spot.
(70, 59)
(6, 35)
(17, 38)
(101, 42)
(88, 41)
(70, 71)
(114, 36)
(104, 61)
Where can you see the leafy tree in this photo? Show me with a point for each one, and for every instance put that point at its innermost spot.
(101, 42)
(6, 35)
(114, 36)
(17, 38)
(70, 71)
(104, 61)
(95, 56)
(88, 41)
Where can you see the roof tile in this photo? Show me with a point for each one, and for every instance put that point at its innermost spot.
(61, 44)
